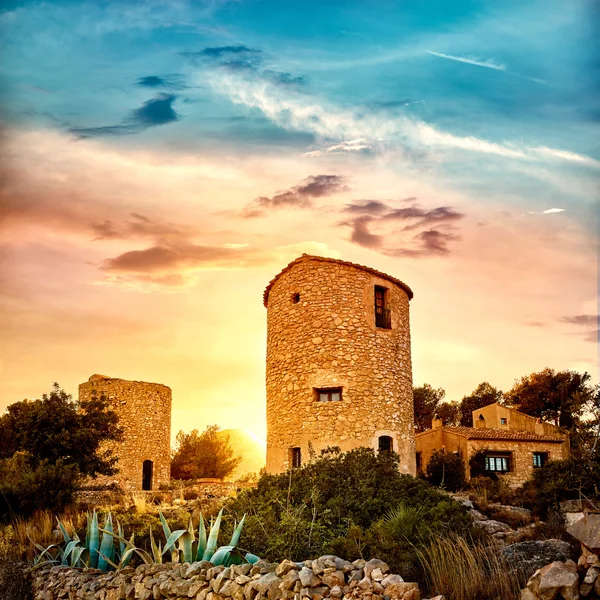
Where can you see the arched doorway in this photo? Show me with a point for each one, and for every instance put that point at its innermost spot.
(147, 471)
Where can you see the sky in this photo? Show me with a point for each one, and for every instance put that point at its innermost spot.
(162, 161)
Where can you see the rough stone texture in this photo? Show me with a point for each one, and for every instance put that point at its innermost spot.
(557, 579)
(202, 581)
(328, 338)
(492, 527)
(144, 411)
(587, 531)
(528, 557)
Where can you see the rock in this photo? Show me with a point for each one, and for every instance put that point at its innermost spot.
(336, 592)
(308, 578)
(284, 567)
(527, 595)
(588, 558)
(268, 585)
(556, 579)
(334, 579)
(343, 565)
(463, 500)
(373, 564)
(512, 509)
(491, 526)
(376, 575)
(587, 586)
(391, 580)
(289, 580)
(403, 591)
(528, 557)
(477, 516)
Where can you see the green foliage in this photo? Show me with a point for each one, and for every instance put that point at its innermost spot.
(446, 470)
(309, 511)
(208, 454)
(477, 465)
(561, 397)
(449, 413)
(562, 480)
(483, 395)
(47, 446)
(426, 400)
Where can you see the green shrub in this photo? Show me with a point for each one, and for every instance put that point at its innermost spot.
(355, 504)
(446, 470)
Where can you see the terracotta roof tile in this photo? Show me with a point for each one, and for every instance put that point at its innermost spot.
(481, 433)
(304, 257)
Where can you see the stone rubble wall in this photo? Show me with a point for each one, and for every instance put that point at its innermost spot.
(325, 577)
(144, 411)
(328, 338)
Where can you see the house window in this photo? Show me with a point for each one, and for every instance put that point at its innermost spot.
(502, 421)
(385, 443)
(296, 297)
(328, 394)
(419, 462)
(383, 315)
(498, 462)
(295, 457)
(539, 459)
(147, 472)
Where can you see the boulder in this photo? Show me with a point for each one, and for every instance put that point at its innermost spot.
(491, 526)
(373, 564)
(587, 585)
(556, 580)
(308, 578)
(528, 557)
(403, 591)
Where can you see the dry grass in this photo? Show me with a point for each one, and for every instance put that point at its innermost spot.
(463, 571)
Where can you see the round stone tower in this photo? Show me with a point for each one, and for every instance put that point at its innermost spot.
(338, 362)
(144, 411)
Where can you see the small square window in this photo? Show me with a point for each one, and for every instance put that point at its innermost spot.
(328, 394)
(502, 421)
(539, 459)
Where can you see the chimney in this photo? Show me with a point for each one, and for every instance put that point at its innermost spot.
(480, 422)
(436, 422)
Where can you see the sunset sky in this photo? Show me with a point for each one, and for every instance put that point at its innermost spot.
(161, 161)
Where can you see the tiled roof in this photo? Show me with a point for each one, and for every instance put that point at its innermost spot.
(481, 433)
(304, 257)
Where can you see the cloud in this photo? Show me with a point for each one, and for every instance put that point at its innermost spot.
(292, 110)
(224, 51)
(151, 81)
(427, 242)
(299, 196)
(140, 227)
(585, 321)
(489, 63)
(154, 112)
(358, 145)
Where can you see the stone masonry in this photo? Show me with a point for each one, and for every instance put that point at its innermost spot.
(144, 411)
(322, 335)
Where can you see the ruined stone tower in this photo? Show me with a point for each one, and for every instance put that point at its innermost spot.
(144, 411)
(338, 362)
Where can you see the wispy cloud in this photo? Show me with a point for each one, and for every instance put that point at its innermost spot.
(488, 63)
(585, 321)
(291, 110)
(358, 145)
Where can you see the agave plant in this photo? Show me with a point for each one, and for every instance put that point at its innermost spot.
(99, 552)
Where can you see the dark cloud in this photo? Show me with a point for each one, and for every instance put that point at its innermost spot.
(585, 321)
(431, 241)
(151, 81)
(221, 51)
(589, 320)
(299, 196)
(140, 227)
(154, 112)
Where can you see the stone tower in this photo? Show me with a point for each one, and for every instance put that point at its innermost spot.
(144, 411)
(338, 362)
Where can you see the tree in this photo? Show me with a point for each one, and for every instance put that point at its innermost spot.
(208, 454)
(426, 400)
(449, 413)
(560, 397)
(483, 395)
(446, 470)
(48, 445)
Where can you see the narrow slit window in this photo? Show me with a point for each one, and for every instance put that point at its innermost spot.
(328, 394)
(385, 443)
(296, 457)
(383, 314)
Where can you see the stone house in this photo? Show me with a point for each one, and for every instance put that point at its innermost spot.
(514, 443)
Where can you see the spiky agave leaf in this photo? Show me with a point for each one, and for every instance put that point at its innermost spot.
(185, 547)
(235, 538)
(227, 556)
(251, 558)
(212, 538)
(201, 539)
(170, 545)
(156, 552)
(94, 540)
(165, 525)
(107, 546)
(63, 530)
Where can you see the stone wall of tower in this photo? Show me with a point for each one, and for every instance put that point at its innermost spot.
(321, 333)
(144, 411)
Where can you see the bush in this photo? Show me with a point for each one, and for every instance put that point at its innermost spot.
(309, 511)
(446, 470)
